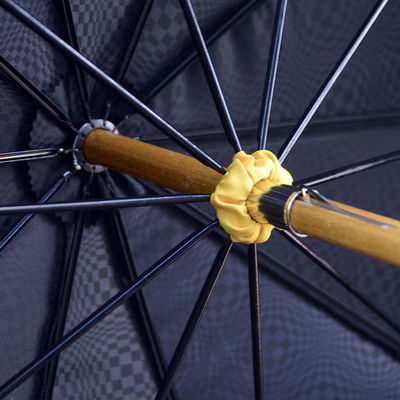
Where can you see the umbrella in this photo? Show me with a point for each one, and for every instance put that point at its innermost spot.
(82, 316)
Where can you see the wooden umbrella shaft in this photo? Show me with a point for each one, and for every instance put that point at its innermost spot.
(354, 229)
(152, 163)
(357, 230)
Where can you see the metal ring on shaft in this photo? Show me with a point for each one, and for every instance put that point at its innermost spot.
(80, 161)
(288, 209)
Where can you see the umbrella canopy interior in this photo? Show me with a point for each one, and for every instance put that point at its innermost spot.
(321, 339)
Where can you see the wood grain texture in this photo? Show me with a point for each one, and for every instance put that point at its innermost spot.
(151, 163)
(187, 175)
(378, 241)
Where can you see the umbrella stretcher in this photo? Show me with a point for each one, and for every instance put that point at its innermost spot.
(279, 205)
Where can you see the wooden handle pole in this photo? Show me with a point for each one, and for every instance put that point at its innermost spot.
(380, 240)
(152, 163)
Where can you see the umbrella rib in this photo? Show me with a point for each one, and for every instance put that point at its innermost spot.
(193, 56)
(134, 40)
(194, 319)
(255, 314)
(139, 301)
(350, 169)
(333, 273)
(297, 282)
(317, 125)
(103, 204)
(17, 228)
(250, 5)
(73, 40)
(331, 79)
(130, 51)
(30, 155)
(210, 74)
(273, 61)
(62, 304)
(100, 75)
(104, 310)
(337, 308)
(42, 99)
(353, 172)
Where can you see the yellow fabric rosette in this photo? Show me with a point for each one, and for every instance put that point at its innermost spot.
(236, 195)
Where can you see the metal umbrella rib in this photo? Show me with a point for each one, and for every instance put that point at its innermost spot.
(106, 308)
(17, 228)
(42, 99)
(96, 72)
(130, 51)
(241, 13)
(333, 76)
(273, 267)
(334, 274)
(194, 320)
(30, 155)
(273, 61)
(140, 306)
(285, 329)
(73, 40)
(102, 204)
(350, 169)
(210, 74)
(255, 315)
(63, 302)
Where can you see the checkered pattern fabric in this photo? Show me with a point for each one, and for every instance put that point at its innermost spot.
(104, 30)
(315, 36)
(166, 39)
(29, 53)
(307, 353)
(109, 361)
(16, 115)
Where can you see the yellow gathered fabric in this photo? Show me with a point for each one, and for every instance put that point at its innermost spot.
(236, 196)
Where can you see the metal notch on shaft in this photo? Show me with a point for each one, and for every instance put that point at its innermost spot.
(80, 161)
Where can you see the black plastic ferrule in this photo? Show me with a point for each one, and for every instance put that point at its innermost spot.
(273, 203)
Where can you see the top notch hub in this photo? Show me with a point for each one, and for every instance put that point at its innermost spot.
(80, 161)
